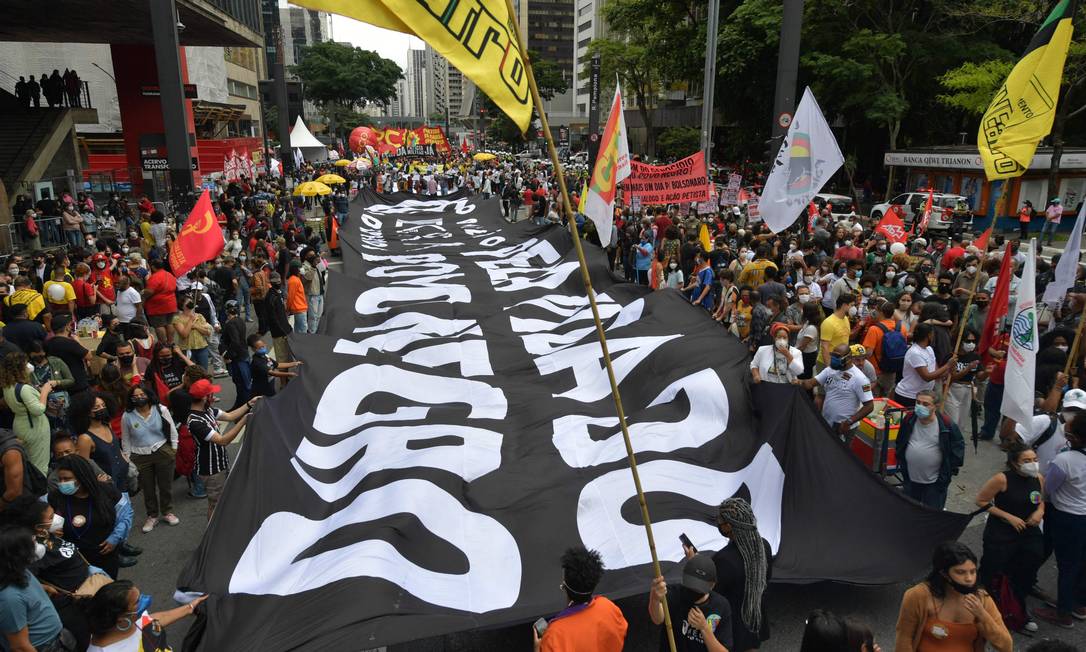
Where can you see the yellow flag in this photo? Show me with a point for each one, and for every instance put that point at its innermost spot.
(584, 198)
(703, 236)
(476, 36)
(1022, 111)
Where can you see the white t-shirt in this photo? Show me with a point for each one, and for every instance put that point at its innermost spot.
(1032, 432)
(911, 382)
(129, 644)
(1070, 496)
(773, 368)
(126, 304)
(811, 331)
(845, 391)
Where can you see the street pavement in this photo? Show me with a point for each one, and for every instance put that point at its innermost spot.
(167, 549)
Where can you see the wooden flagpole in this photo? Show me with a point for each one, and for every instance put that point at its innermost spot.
(568, 210)
(1074, 346)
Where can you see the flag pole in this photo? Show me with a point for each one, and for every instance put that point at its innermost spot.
(1074, 345)
(568, 210)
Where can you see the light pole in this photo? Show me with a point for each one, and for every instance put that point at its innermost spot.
(709, 85)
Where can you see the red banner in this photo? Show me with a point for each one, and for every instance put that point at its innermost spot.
(200, 239)
(387, 141)
(682, 181)
(892, 226)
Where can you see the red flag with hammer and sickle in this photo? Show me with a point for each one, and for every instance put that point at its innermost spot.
(200, 239)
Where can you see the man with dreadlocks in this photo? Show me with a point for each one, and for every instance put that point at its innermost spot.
(743, 569)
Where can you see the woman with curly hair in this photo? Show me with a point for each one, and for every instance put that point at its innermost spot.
(28, 620)
(949, 610)
(115, 613)
(31, 425)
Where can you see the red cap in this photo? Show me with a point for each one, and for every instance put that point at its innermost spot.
(203, 388)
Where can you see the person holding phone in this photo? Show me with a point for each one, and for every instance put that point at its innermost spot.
(701, 618)
(589, 623)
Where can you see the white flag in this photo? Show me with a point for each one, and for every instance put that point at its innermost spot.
(612, 167)
(1067, 268)
(1022, 353)
(809, 156)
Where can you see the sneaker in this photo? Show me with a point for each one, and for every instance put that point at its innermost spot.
(1050, 615)
(1080, 613)
(131, 550)
(149, 524)
(126, 562)
(171, 519)
(1030, 627)
(220, 373)
(197, 494)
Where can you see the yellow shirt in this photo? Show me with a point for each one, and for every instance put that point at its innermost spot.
(754, 273)
(835, 330)
(145, 229)
(69, 292)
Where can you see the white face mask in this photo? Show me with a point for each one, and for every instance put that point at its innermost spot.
(910, 288)
(866, 292)
(674, 266)
(852, 311)
(808, 279)
(1031, 469)
(791, 247)
(972, 269)
(782, 343)
(58, 523)
(39, 550)
(848, 243)
(804, 298)
(1062, 347)
(882, 247)
(969, 347)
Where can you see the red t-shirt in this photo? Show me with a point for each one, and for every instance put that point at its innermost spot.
(163, 299)
(105, 283)
(84, 293)
(951, 256)
(529, 197)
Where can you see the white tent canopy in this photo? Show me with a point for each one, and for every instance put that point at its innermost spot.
(301, 138)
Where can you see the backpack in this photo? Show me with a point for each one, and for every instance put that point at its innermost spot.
(1014, 614)
(1047, 434)
(34, 481)
(894, 346)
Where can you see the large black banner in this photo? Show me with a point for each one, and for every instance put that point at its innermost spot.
(452, 432)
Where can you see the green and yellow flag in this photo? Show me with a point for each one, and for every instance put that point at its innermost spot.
(476, 36)
(1022, 111)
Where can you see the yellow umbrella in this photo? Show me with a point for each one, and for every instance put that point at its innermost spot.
(342, 163)
(311, 188)
(331, 178)
(484, 156)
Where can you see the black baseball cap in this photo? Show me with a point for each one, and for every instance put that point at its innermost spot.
(699, 573)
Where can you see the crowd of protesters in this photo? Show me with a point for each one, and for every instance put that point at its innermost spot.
(109, 367)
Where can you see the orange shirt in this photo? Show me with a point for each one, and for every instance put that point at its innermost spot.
(873, 340)
(600, 627)
(296, 301)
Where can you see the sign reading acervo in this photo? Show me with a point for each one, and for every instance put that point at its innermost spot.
(160, 163)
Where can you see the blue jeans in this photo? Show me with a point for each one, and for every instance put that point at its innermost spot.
(74, 238)
(933, 495)
(199, 356)
(316, 307)
(1049, 229)
(244, 299)
(993, 400)
(1069, 543)
(242, 375)
(299, 320)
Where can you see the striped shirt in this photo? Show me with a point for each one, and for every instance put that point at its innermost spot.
(211, 458)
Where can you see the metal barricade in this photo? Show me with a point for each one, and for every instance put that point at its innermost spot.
(12, 238)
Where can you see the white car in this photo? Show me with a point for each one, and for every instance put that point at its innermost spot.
(946, 209)
(842, 206)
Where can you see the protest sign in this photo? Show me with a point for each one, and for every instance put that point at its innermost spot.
(681, 182)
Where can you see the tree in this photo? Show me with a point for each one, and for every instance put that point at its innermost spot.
(678, 142)
(337, 76)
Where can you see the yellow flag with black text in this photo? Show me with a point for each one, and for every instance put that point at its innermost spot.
(1022, 111)
(476, 36)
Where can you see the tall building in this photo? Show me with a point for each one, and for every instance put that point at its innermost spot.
(413, 102)
(550, 31)
(437, 83)
(302, 28)
(590, 25)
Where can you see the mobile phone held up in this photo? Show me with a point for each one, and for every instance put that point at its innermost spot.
(540, 626)
(686, 542)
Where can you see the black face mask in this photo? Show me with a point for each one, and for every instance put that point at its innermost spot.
(689, 596)
(139, 401)
(125, 359)
(960, 588)
(101, 415)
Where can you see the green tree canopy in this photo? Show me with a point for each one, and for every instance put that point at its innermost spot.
(333, 73)
(678, 142)
(550, 80)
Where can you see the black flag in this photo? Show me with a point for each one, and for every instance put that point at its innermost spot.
(452, 432)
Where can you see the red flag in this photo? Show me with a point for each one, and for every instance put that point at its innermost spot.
(464, 147)
(923, 224)
(982, 242)
(997, 308)
(892, 226)
(200, 239)
(812, 215)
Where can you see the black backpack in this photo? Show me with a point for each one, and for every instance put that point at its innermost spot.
(34, 481)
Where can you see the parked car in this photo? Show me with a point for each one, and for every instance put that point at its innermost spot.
(949, 212)
(842, 206)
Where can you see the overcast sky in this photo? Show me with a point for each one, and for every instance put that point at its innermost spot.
(389, 44)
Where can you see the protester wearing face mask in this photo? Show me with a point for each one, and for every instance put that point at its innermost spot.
(807, 280)
(150, 438)
(212, 460)
(192, 332)
(1013, 542)
(930, 450)
(28, 619)
(120, 622)
(1065, 523)
(849, 283)
(97, 517)
(836, 329)
(967, 371)
(91, 414)
(673, 276)
(847, 391)
(778, 362)
(587, 617)
(701, 618)
(807, 340)
(948, 610)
